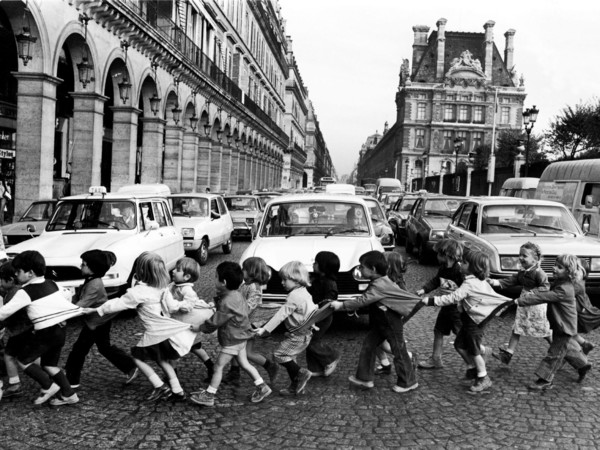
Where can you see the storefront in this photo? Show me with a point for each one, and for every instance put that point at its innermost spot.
(8, 144)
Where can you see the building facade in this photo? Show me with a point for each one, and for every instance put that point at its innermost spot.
(114, 92)
(318, 160)
(457, 92)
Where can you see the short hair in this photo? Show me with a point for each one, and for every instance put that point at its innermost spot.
(30, 260)
(534, 248)
(295, 271)
(440, 246)
(8, 272)
(453, 249)
(572, 264)
(230, 273)
(376, 261)
(150, 268)
(329, 263)
(479, 263)
(189, 267)
(257, 269)
(396, 265)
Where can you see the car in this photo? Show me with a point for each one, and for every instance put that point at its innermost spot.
(427, 222)
(246, 212)
(297, 227)
(388, 199)
(398, 214)
(499, 226)
(266, 196)
(205, 223)
(132, 220)
(31, 224)
(383, 231)
(359, 190)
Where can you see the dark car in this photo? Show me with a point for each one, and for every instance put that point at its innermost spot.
(398, 214)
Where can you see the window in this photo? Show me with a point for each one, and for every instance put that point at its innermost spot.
(477, 140)
(505, 100)
(463, 113)
(448, 141)
(422, 96)
(592, 189)
(465, 97)
(420, 138)
(478, 98)
(213, 206)
(505, 114)
(478, 114)
(159, 214)
(464, 216)
(463, 136)
(450, 97)
(421, 111)
(449, 113)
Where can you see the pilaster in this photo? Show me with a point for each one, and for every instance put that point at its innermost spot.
(235, 170)
(225, 168)
(189, 162)
(152, 149)
(204, 164)
(215, 166)
(124, 135)
(173, 155)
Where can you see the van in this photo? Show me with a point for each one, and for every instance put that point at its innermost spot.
(519, 187)
(387, 185)
(575, 184)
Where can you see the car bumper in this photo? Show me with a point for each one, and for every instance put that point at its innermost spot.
(191, 245)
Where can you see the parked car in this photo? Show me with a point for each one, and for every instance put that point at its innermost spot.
(246, 212)
(128, 222)
(427, 222)
(31, 224)
(499, 226)
(204, 222)
(383, 231)
(398, 214)
(297, 227)
(522, 187)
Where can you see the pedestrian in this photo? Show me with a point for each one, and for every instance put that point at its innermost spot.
(294, 312)
(47, 308)
(183, 277)
(5, 197)
(387, 304)
(164, 338)
(475, 299)
(321, 358)
(234, 330)
(256, 275)
(96, 329)
(448, 278)
(529, 320)
(562, 315)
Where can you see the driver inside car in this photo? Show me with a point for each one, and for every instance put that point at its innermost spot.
(356, 219)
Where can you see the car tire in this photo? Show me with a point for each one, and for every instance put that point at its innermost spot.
(202, 253)
(227, 246)
(422, 253)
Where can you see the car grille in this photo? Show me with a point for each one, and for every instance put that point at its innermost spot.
(346, 284)
(63, 273)
(16, 239)
(547, 264)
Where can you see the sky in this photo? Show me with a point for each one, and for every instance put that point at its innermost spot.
(349, 54)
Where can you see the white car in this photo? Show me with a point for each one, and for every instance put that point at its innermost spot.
(383, 231)
(246, 212)
(297, 227)
(205, 223)
(127, 223)
(31, 224)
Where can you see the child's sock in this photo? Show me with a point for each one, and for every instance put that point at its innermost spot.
(175, 385)
(259, 381)
(155, 381)
(482, 374)
(211, 390)
(292, 368)
(40, 376)
(65, 387)
(14, 380)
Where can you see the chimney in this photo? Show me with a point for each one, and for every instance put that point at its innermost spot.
(489, 47)
(509, 49)
(289, 43)
(419, 46)
(441, 47)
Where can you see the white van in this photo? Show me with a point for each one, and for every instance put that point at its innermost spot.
(387, 185)
(519, 187)
(575, 184)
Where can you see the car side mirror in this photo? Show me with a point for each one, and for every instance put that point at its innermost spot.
(153, 225)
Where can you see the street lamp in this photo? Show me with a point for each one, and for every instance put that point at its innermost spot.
(529, 118)
(458, 143)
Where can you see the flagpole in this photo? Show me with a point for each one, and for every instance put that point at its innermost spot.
(492, 162)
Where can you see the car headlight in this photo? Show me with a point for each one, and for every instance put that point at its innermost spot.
(509, 263)
(595, 265)
(250, 220)
(188, 232)
(357, 274)
(434, 235)
(386, 239)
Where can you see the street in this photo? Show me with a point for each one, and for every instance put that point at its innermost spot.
(439, 414)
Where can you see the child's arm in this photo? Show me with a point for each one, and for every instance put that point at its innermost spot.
(91, 295)
(286, 310)
(371, 295)
(560, 293)
(253, 297)
(453, 298)
(128, 301)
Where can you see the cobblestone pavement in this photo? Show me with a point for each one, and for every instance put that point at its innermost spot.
(439, 414)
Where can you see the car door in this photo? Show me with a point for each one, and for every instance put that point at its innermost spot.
(216, 232)
(412, 223)
(171, 235)
(226, 220)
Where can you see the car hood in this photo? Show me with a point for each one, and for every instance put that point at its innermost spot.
(437, 222)
(550, 245)
(243, 214)
(21, 227)
(278, 251)
(189, 222)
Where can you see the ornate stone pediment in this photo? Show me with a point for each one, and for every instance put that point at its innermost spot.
(465, 71)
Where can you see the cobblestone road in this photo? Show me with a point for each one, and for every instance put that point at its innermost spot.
(439, 414)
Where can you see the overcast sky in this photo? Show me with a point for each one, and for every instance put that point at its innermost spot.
(349, 54)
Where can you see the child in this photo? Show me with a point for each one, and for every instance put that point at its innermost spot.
(474, 299)
(164, 338)
(448, 277)
(562, 315)
(46, 308)
(233, 333)
(322, 359)
(588, 316)
(183, 276)
(529, 320)
(295, 311)
(96, 329)
(396, 270)
(385, 321)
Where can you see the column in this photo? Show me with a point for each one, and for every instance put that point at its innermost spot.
(252, 176)
(173, 154)
(189, 161)
(153, 133)
(125, 123)
(243, 169)
(225, 168)
(204, 164)
(215, 166)
(489, 48)
(36, 106)
(235, 170)
(441, 48)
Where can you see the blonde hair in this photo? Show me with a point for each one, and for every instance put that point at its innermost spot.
(150, 269)
(572, 264)
(295, 271)
(257, 270)
(396, 266)
(189, 267)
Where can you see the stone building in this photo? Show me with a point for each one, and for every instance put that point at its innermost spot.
(318, 160)
(113, 92)
(445, 103)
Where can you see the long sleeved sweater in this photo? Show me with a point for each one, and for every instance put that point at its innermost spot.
(294, 312)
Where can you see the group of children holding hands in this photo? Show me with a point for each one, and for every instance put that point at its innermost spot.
(173, 318)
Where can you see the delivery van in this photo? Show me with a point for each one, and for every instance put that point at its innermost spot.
(575, 184)
(519, 187)
(387, 185)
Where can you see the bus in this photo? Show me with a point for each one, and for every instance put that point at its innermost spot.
(324, 181)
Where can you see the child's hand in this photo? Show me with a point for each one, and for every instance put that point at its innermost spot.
(425, 300)
(195, 328)
(420, 292)
(260, 332)
(89, 310)
(184, 308)
(336, 305)
(495, 283)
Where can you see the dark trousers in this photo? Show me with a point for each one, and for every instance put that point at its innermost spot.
(318, 353)
(562, 347)
(101, 337)
(386, 325)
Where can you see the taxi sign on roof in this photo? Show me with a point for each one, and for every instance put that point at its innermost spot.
(161, 190)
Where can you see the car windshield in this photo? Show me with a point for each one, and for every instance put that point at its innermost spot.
(315, 218)
(407, 204)
(241, 204)
(264, 199)
(441, 206)
(190, 206)
(376, 212)
(93, 214)
(391, 199)
(38, 211)
(527, 219)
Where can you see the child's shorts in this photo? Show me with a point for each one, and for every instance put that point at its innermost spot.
(291, 346)
(470, 336)
(16, 343)
(162, 351)
(45, 344)
(234, 349)
(448, 320)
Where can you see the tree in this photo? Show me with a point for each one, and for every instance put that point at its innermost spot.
(507, 148)
(576, 131)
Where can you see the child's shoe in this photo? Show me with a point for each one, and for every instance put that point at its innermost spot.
(481, 384)
(261, 392)
(288, 391)
(178, 396)
(329, 368)
(61, 400)
(360, 383)
(130, 376)
(402, 390)
(13, 390)
(583, 372)
(587, 347)
(383, 369)
(541, 385)
(431, 363)
(272, 369)
(233, 376)
(47, 394)
(303, 377)
(504, 356)
(203, 398)
(160, 393)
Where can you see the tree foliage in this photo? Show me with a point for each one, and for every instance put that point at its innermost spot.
(576, 131)
(508, 145)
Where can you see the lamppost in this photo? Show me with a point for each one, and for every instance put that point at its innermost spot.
(458, 143)
(529, 118)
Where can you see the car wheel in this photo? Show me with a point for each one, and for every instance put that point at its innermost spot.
(228, 246)
(202, 253)
(421, 253)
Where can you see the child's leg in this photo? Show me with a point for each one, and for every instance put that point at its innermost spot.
(242, 359)
(76, 358)
(149, 373)
(205, 358)
(513, 342)
(12, 369)
(116, 356)
(253, 355)
(169, 371)
(479, 365)
(438, 346)
(405, 370)
(222, 360)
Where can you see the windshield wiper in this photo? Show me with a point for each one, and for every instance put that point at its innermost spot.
(549, 227)
(334, 231)
(512, 227)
